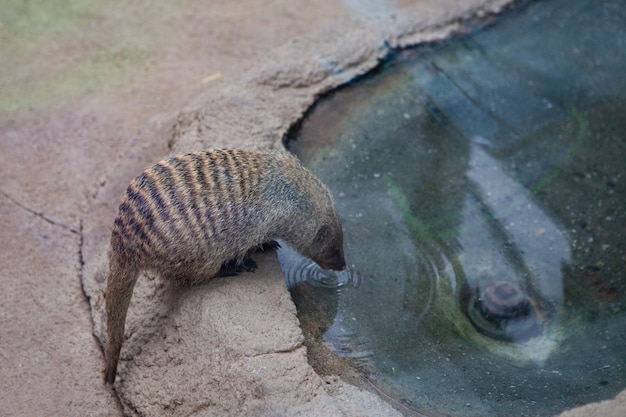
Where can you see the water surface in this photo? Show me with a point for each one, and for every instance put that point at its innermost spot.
(482, 192)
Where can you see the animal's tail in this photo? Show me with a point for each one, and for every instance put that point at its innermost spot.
(120, 284)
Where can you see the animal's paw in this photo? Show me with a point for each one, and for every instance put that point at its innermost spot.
(271, 245)
(247, 265)
(233, 267)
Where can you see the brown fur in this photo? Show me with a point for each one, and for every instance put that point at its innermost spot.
(190, 216)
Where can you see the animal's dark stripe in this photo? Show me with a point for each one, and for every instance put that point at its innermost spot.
(226, 169)
(142, 206)
(135, 224)
(187, 173)
(137, 227)
(254, 176)
(117, 223)
(252, 181)
(130, 230)
(232, 187)
(147, 183)
(235, 172)
(195, 199)
(199, 188)
(212, 174)
(123, 219)
(255, 179)
(156, 184)
(246, 180)
(145, 210)
(207, 172)
(225, 191)
(153, 196)
(119, 229)
(176, 194)
(179, 175)
(218, 199)
(205, 189)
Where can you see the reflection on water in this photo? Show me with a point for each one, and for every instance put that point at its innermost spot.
(482, 192)
(299, 269)
(531, 251)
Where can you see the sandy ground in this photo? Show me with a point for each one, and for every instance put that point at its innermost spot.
(90, 96)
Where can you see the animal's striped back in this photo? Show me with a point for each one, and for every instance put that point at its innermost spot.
(179, 207)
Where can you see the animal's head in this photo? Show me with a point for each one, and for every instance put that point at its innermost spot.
(326, 248)
(308, 220)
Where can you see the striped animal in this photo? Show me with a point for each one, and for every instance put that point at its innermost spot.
(194, 216)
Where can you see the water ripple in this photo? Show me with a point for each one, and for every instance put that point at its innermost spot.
(298, 270)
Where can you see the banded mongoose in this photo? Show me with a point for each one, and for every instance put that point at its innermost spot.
(194, 216)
